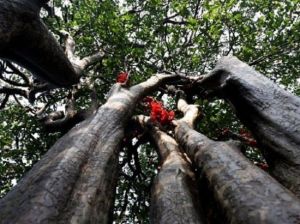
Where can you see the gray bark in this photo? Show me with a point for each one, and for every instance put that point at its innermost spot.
(79, 64)
(174, 196)
(271, 113)
(75, 181)
(246, 194)
(25, 39)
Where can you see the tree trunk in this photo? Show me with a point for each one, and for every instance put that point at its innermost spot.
(25, 40)
(246, 194)
(75, 181)
(271, 113)
(174, 197)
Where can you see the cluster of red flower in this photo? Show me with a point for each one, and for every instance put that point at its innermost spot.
(158, 113)
(243, 134)
(122, 77)
(246, 135)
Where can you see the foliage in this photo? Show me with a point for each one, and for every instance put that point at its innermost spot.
(144, 37)
(23, 141)
(133, 191)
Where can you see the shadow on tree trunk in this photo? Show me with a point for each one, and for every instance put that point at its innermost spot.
(271, 113)
(76, 179)
(25, 39)
(245, 193)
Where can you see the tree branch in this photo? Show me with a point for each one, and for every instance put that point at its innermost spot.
(175, 171)
(4, 101)
(79, 64)
(62, 122)
(42, 55)
(190, 111)
(13, 91)
(230, 175)
(14, 70)
(18, 72)
(268, 111)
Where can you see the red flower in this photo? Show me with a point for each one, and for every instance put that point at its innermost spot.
(252, 142)
(122, 77)
(158, 113)
(156, 105)
(244, 133)
(248, 138)
(171, 115)
(164, 117)
(156, 109)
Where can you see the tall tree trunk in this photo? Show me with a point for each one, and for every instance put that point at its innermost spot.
(246, 194)
(25, 40)
(271, 113)
(75, 181)
(174, 196)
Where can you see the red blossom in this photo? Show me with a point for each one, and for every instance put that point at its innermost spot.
(122, 77)
(158, 113)
(171, 115)
(245, 133)
(252, 142)
(248, 138)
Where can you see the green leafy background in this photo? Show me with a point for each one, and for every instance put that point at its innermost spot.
(144, 37)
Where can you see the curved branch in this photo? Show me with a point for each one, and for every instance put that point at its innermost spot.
(28, 94)
(18, 72)
(25, 40)
(231, 176)
(13, 91)
(26, 108)
(63, 123)
(174, 197)
(11, 82)
(79, 173)
(4, 101)
(283, 49)
(79, 64)
(271, 114)
(4, 70)
(191, 112)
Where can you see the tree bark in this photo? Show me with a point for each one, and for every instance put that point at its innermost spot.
(79, 64)
(271, 113)
(25, 39)
(246, 193)
(75, 181)
(174, 196)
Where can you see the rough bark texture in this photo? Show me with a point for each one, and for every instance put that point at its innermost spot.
(245, 193)
(25, 40)
(271, 113)
(174, 196)
(75, 181)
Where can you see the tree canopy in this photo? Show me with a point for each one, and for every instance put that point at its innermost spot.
(142, 38)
